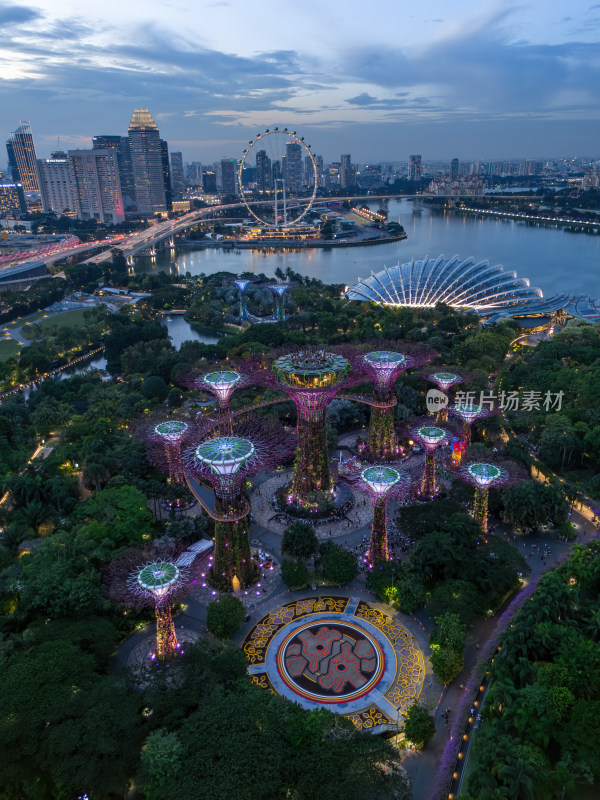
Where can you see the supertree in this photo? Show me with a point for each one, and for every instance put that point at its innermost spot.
(225, 462)
(142, 579)
(383, 368)
(444, 378)
(278, 290)
(312, 378)
(165, 437)
(431, 437)
(484, 474)
(383, 483)
(468, 413)
(242, 284)
(221, 383)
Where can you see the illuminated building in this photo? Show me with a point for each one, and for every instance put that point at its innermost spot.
(147, 163)
(22, 158)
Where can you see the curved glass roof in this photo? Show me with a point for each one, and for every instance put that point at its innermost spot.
(460, 283)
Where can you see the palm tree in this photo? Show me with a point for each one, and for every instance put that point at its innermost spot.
(34, 514)
(518, 776)
(11, 537)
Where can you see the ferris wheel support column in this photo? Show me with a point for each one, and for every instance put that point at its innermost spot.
(276, 209)
(284, 204)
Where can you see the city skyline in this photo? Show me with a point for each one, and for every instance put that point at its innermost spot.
(487, 82)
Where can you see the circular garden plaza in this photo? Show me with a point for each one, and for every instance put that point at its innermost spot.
(318, 644)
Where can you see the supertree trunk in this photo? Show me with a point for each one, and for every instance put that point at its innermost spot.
(174, 463)
(378, 548)
(428, 485)
(166, 640)
(480, 506)
(311, 472)
(442, 415)
(467, 434)
(382, 442)
(232, 557)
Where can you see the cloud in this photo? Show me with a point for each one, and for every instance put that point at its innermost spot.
(363, 99)
(17, 15)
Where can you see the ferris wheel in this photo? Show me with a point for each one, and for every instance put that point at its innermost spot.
(286, 171)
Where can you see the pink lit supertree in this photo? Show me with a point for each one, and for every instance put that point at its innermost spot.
(139, 578)
(225, 463)
(222, 383)
(468, 413)
(165, 436)
(484, 473)
(431, 436)
(383, 367)
(383, 483)
(445, 378)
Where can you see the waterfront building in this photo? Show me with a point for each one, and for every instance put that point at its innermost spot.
(177, 181)
(21, 157)
(461, 186)
(96, 185)
(415, 171)
(292, 167)
(147, 163)
(54, 180)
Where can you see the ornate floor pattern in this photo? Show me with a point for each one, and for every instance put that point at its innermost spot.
(339, 653)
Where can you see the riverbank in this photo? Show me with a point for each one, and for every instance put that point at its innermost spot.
(564, 223)
(277, 244)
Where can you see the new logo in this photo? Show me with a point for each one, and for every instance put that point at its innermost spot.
(436, 400)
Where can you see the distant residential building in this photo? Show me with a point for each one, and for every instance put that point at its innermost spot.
(193, 174)
(347, 172)
(22, 158)
(369, 176)
(229, 176)
(164, 149)
(12, 200)
(454, 168)
(264, 177)
(54, 180)
(147, 163)
(333, 174)
(591, 179)
(462, 186)
(415, 171)
(120, 144)
(177, 180)
(96, 185)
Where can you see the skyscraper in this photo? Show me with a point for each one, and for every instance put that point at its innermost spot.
(228, 176)
(54, 179)
(22, 158)
(164, 149)
(264, 182)
(120, 144)
(454, 167)
(414, 168)
(177, 181)
(96, 185)
(147, 163)
(12, 199)
(346, 171)
(292, 167)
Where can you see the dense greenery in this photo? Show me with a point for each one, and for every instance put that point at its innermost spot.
(541, 732)
(419, 726)
(224, 616)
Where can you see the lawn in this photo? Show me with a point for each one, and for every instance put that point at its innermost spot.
(8, 348)
(68, 319)
(17, 323)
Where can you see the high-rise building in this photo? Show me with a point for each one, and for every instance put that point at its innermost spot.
(414, 168)
(96, 185)
(454, 167)
(120, 144)
(12, 200)
(320, 171)
(229, 176)
(54, 180)
(22, 158)
(164, 149)
(264, 181)
(147, 163)
(209, 182)
(292, 167)
(333, 174)
(177, 181)
(193, 173)
(346, 171)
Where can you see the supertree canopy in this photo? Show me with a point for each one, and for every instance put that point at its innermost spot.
(431, 436)
(383, 483)
(279, 290)
(225, 462)
(165, 437)
(221, 383)
(383, 368)
(469, 412)
(242, 284)
(311, 378)
(485, 474)
(444, 378)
